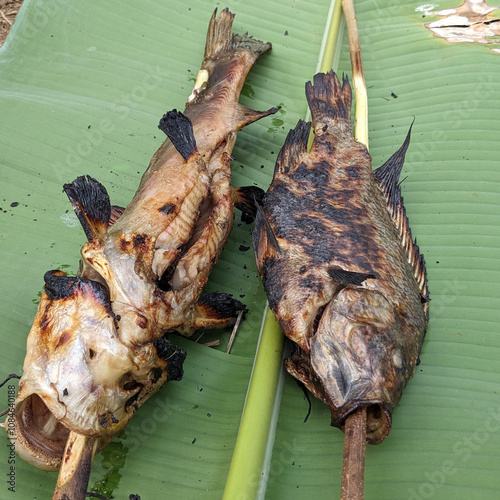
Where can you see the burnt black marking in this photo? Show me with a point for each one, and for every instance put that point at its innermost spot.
(131, 401)
(246, 199)
(173, 355)
(156, 375)
(316, 215)
(167, 209)
(312, 283)
(295, 144)
(45, 321)
(328, 98)
(140, 240)
(59, 287)
(353, 173)
(221, 305)
(272, 273)
(318, 175)
(179, 130)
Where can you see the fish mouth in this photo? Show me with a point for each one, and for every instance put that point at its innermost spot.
(378, 423)
(40, 437)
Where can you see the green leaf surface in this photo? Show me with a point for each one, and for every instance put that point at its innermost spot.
(82, 87)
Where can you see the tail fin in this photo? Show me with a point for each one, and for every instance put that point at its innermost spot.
(220, 38)
(330, 102)
(228, 58)
(219, 34)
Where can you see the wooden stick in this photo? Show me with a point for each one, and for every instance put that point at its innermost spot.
(233, 333)
(75, 468)
(353, 466)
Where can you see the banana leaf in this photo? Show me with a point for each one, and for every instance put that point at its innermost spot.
(82, 87)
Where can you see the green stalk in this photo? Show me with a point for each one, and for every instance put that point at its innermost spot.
(243, 480)
(247, 470)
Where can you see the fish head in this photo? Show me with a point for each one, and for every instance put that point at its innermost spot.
(78, 375)
(359, 357)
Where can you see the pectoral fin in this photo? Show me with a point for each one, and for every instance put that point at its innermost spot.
(348, 277)
(116, 213)
(217, 310)
(264, 240)
(246, 200)
(91, 204)
(179, 130)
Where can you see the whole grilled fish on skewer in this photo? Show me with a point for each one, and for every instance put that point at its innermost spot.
(96, 350)
(342, 274)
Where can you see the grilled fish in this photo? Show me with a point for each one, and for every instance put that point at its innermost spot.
(341, 271)
(96, 350)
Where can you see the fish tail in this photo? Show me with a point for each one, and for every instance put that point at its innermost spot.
(220, 38)
(330, 103)
(228, 59)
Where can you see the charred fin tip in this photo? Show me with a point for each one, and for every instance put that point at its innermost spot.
(179, 129)
(173, 355)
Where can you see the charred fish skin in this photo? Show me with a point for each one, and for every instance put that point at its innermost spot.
(341, 271)
(97, 348)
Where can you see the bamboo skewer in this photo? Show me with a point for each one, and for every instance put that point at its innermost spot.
(358, 76)
(353, 465)
(76, 464)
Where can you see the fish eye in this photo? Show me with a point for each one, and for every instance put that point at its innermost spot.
(398, 361)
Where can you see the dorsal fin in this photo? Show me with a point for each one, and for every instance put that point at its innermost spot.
(295, 144)
(179, 130)
(91, 204)
(387, 176)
